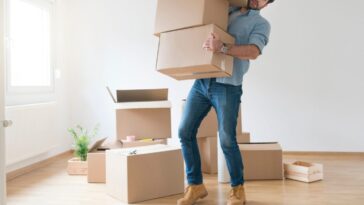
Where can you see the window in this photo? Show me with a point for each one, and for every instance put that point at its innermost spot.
(29, 51)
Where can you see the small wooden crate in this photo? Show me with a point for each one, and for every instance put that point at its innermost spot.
(303, 171)
(77, 167)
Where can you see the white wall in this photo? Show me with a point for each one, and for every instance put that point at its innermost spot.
(40, 130)
(307, 90)
(303, 92)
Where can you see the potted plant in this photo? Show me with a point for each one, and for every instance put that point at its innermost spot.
(82, 138)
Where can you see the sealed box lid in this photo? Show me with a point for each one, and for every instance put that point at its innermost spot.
(149, 149)
(258, 146)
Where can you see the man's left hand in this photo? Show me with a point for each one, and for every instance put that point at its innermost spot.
(213, 43)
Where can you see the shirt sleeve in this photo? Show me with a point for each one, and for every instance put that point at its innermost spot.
(260, 36)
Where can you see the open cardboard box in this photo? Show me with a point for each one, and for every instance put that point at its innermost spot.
(96, 159)
(303, 171)
(144, 113)
(144, 173)
(181, 56)
(179, 14)
(262, 160)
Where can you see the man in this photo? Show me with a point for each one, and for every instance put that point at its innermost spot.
(251, 32)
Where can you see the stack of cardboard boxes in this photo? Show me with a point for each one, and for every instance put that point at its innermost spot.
(145, 114)
(183, 26)
(145, 167)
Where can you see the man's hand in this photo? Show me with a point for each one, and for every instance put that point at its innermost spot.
(213, 43)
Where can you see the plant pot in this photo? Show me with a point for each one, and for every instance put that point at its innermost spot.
(77, 167)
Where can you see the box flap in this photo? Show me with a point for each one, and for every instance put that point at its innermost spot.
(141, 95)
(259, 146)
(93, 147)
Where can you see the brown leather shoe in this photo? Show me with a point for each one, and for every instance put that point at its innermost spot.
(192, 194)
(237, 196)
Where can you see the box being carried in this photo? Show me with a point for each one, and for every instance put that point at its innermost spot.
(242, 3)
(303, 171)
(179, 14)
(144, 173)
(181, 56)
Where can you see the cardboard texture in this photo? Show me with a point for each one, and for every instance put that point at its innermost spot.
(209, 126)
(143, 143)
(96, 161)
(262, 161)
(242, 3)
(208, 153)
(144, 173)
(181, 56)
(243, 137)
(179, 14)
(303, 171)
(96, 158)
(142, 113)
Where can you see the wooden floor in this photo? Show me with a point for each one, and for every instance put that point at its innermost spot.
(343, 184)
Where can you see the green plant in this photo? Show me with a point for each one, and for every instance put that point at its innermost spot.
(82, 140)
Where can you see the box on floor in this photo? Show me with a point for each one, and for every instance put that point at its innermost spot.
(144, 173)
(262, 161)
(96, 157)
(303, 171)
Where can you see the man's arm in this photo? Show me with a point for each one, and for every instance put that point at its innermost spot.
(244, 52)
(257, 40)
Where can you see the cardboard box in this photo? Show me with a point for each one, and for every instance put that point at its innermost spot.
(209, 126)
(144, 173)
(181, 56)
(303, 171)
(208, 153)
(243, 137)
(262, 161)
(179, 14)
(96, 160)
(96, 157)
(140, 143)
(242, 3)
(142, 113)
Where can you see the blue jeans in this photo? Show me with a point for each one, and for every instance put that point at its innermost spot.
(204, 94)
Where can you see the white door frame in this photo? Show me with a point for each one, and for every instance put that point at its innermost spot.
(2, 108)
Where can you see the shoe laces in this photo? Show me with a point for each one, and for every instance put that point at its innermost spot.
(235, 192)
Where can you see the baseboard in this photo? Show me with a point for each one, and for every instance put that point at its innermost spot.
(315, 153)
(16, 173)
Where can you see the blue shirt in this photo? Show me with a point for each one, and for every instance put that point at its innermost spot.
(248, 28)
